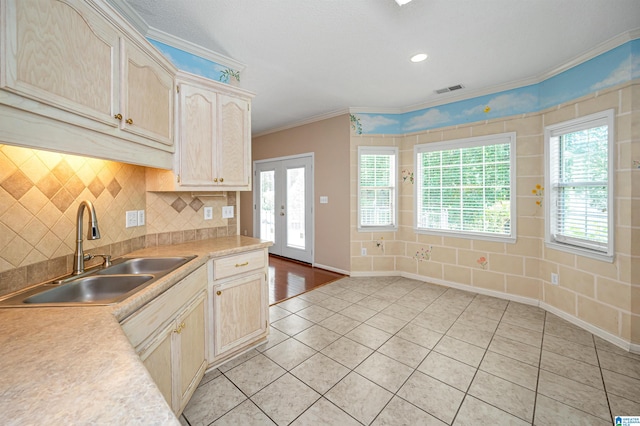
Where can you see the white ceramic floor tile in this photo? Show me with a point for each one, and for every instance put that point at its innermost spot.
(624, 386)
(448, 370)
(275, 336)
(285, 399)
(254, 374)
(369, 336)
(400, 412)
(505, 395)
(519, 334)
(211, 401)
(276, 313)
(462, 351)
(551, 412)
(475, 412)
(292, 324)
(294, 304)
(233, 363)
(320, 372)
(347, 352)
(404, 351)
(516, 350)
(314, 313)
(572, 369)
(324, 412)
(245, 414)
(570, 349)
(317, 337)
(510, 369)
(419, 335)
(470, 334)
(359, 397)
(386, 323)
(431, 395)
(340, 324)
(384, 371)
(619, 364)
(358, 313)
(289, 353)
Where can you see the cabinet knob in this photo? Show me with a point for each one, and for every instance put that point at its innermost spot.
(118, 116)
(221, 179)
(218, 292)
(129, 121)
(215, 179)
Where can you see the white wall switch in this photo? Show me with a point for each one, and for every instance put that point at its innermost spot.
(227, 212)
(140, 217)
(554, 279)
(324, 199)
(131, 219)
(363, 251)
(208, 213)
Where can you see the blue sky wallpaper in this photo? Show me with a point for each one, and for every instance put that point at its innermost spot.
(190, 63)
(616, 66)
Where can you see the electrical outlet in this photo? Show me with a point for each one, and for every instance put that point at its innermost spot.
(363, 251)
(131, 219)
(140, 217)
(227, 212)
(208, 213)
(554, 279)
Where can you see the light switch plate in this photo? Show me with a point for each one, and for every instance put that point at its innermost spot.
(208, 213)
(140, 217)
(227, 212)
(131, 219)
(324, 199)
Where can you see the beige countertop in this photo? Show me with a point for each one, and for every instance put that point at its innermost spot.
(74, 365)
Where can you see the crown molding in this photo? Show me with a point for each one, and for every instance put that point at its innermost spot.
(129, 13)
(309, 120)
(187, 46)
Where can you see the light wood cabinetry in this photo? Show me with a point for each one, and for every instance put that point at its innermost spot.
(85, 81)
(239, 304)
(213, 139)
(168, 334)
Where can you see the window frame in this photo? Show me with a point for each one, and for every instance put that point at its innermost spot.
(378, 150)
(494, 139)
(573, 246)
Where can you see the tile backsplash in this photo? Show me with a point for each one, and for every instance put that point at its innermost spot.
(39, 196)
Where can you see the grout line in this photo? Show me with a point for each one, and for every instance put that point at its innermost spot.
(604, 384)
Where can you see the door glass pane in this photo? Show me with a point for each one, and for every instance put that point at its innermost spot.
(295, 208)
(267, 202)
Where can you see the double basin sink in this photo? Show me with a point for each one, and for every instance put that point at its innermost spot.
(100, 286)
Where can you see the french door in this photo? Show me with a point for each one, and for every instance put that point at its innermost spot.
(283, 205)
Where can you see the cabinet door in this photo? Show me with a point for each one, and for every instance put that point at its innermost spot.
(234, 142)
(198, 128)
(239, 312)
(157, 358)
(190, 350)
(61, 53)
(147, 98)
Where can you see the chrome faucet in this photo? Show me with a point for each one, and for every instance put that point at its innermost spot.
(93, 234)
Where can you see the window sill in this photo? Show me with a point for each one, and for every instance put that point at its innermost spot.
(468, 236)
(592, 254)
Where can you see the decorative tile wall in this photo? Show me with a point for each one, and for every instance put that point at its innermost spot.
(39, 196)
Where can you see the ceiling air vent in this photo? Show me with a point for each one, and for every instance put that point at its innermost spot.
(449, 89)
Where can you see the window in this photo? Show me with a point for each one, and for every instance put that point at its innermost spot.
(579, 182)
(377, 195)
(465, 188)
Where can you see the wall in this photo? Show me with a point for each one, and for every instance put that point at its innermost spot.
(603, 297)
(39, 196)
(329, 141)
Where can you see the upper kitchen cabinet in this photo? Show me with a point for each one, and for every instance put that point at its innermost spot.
(77, 78)
(213, 147)
(147, 96)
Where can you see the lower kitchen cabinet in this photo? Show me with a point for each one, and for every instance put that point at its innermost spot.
(239, 314)
(239, 302)
(168, 334)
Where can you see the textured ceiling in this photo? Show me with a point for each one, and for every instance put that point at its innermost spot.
(307, 58)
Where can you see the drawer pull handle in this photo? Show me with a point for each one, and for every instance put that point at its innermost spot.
(218, 292)
(129, 120)
(239, 265)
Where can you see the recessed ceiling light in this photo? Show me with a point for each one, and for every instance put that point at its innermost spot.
(401, 2)
(419, 57)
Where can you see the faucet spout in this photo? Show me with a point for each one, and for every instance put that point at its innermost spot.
(93, 233)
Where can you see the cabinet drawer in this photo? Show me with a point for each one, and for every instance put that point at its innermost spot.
(142, 324)
(238, 264)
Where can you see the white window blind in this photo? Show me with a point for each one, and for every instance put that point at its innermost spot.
(580, 183)
(465, 187)
(377, 177)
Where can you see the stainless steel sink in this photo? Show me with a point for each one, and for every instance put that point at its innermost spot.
(103, 289)
(144, 265)
(98, 286)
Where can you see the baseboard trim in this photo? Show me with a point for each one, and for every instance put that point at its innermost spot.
(330, 268)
